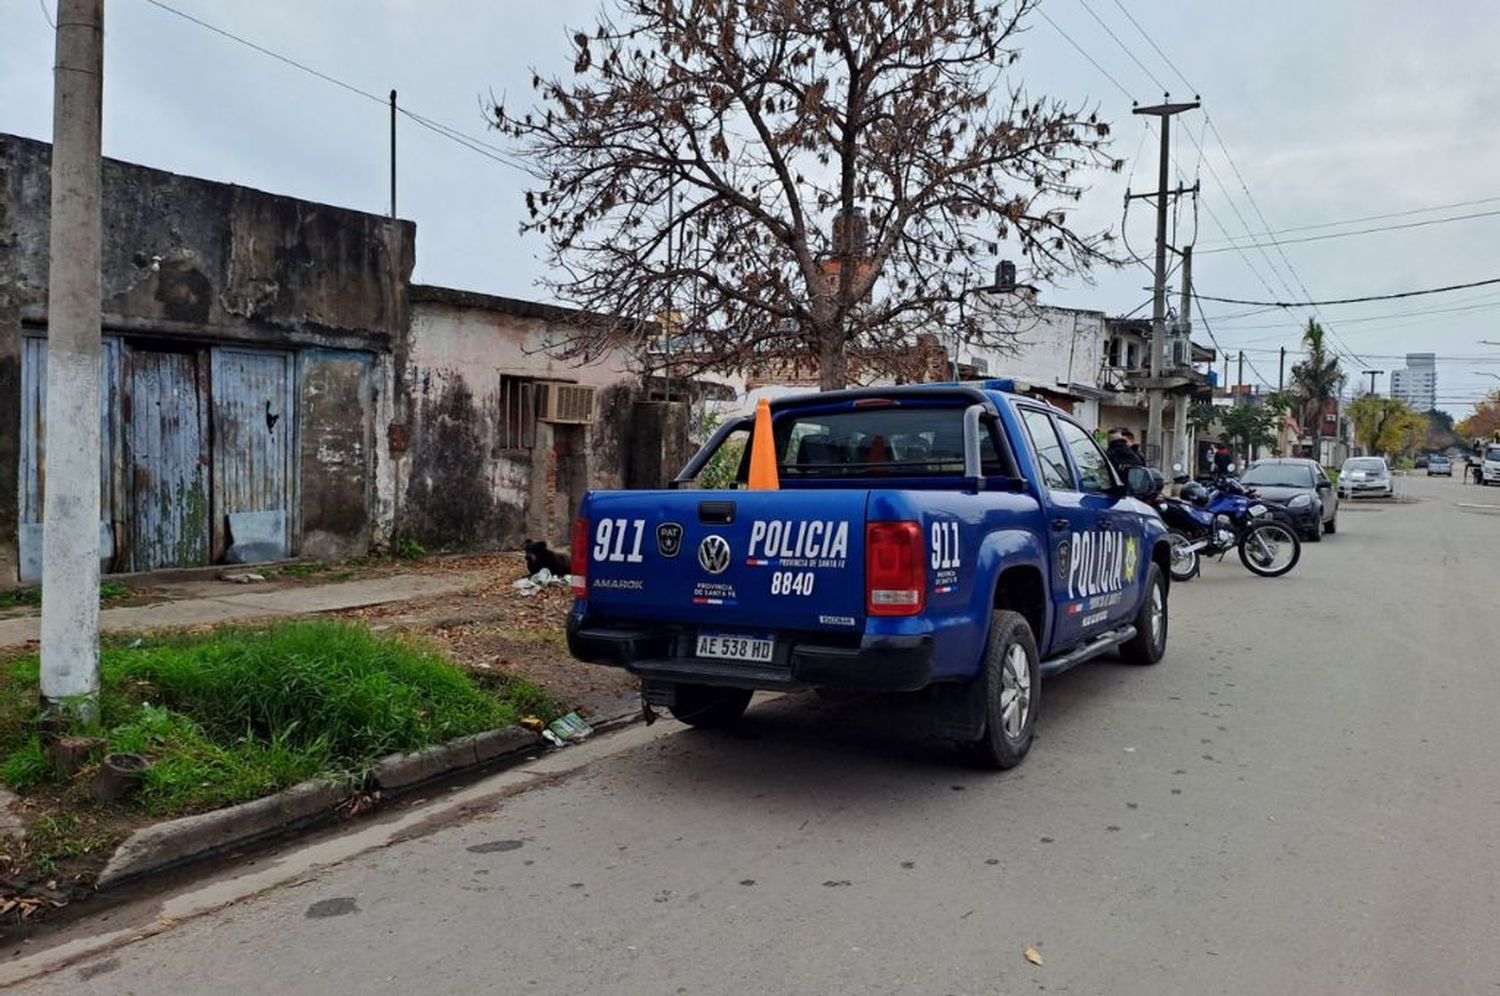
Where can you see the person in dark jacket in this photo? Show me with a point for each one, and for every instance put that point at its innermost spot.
(1120, 455)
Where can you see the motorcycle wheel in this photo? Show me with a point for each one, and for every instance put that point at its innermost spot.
(1185, 562)
(1270, 549)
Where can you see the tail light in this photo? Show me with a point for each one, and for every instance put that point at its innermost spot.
(895, 578)
(580, 549)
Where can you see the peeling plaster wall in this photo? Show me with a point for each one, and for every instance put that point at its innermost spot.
(196, 261)
(457, 485)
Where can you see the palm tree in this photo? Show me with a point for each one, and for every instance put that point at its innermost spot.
(1316, 381)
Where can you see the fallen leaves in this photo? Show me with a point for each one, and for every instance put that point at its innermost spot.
(1033, 955)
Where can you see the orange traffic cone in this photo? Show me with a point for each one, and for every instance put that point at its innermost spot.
(763, 451)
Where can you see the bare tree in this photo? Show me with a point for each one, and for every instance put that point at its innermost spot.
(798, 177)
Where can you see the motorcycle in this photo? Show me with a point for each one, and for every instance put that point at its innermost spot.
(1208, 522)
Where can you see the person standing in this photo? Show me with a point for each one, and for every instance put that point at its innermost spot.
(1119, 453)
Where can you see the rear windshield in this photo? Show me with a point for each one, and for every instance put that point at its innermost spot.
(1279, 476)
(1365, 464)
(1439, 460)
(911, 442)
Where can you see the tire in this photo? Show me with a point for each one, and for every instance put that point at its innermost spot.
(1316, 536)
(1009, 654)
(1186, 566)
(1150, 641)
(1332, 525)
(1273, 532)
(708, 707)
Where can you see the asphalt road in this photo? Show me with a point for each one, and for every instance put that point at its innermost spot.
(1303, 797)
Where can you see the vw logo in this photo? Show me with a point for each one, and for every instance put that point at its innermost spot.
(713, 554)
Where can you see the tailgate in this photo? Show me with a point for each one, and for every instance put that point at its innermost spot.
(746, 560)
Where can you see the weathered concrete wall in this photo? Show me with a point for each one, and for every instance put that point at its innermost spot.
(194, 260)
(458, 484)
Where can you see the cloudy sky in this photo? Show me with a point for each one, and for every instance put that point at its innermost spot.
(1329, 111)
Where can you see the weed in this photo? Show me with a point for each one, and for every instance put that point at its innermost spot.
(15, 597)
(303, 570)
(59, 836)
(113, 591)
(26, 767)
(409, 549)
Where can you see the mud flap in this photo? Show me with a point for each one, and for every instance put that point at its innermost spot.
(956, 709)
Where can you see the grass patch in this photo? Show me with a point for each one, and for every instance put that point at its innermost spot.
(241, 712)
(109, 591)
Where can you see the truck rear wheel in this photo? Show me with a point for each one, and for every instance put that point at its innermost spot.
(1012, 680)
(708, 707)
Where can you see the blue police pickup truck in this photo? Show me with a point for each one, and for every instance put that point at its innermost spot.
(952, 540)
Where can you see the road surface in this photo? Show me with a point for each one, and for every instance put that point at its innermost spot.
(1302, 798)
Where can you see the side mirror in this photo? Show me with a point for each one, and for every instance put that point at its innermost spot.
(1142, 482)
(1325, 485)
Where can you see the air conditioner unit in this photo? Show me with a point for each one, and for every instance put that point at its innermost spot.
(568, 403)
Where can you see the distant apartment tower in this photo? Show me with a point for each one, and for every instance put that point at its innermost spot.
(1416, 383)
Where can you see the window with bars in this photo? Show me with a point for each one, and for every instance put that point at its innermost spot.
(515, 428)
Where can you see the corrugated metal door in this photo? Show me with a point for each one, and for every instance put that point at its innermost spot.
(166, 443)
(34, 449)
(253, 425)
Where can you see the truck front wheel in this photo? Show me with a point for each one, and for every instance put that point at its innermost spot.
(1011, 683)
(708, 707)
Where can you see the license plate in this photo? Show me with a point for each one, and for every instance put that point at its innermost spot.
(759, 649)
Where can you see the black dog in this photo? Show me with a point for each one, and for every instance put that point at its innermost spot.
(538, 556)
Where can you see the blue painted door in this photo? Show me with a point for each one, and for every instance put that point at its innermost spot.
(253, 422)
(164, 409)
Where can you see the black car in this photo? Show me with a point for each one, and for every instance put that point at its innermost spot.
(1301, 488)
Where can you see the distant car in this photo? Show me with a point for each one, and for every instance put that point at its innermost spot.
(1366, 476)
(1421, 462)
(1301, 488)
(1440, 465)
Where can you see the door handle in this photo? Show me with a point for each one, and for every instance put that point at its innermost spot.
(1059, 525)
(1106, 522)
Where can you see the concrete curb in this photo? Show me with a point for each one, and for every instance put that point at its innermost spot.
(190, 838)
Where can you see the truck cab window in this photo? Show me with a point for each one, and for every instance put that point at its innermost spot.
(1095, 475)
(1049, 450)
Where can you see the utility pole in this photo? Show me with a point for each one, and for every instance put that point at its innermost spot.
(393, 155)
(1281, 373)
(70, 531)
(1155, 397)
(1373, 374)
(1185, 329)
(1241, 378)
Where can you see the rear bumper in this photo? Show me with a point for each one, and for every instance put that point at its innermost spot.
(877, 664)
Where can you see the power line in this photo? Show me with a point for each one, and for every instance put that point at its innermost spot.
(1363, 319)
(1390, 214)
(1152, 42)
(1360, 231)
(1354, 300)
(1109, 31)
(447, 131)
(1069, 39)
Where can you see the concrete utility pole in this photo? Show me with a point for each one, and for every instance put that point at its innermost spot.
(1184, 397)
(70, 532)
(1373, 374)
(1242, 367)
(1156, 394)
(1281, 373)
(393, 155)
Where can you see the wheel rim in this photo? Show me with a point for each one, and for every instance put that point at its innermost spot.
(1182, 553)
(1158, 616)
(1270, 546)
(1015, 691)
